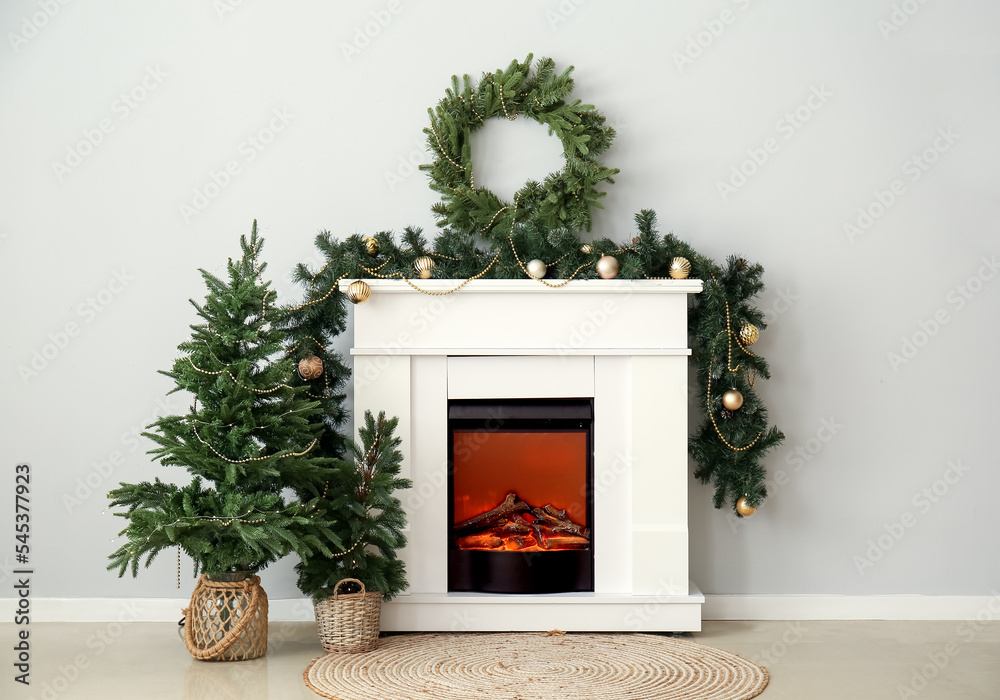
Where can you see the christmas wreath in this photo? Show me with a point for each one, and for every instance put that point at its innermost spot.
(565, 199)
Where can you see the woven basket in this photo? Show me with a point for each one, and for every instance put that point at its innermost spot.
(349, 622)
(227, 620)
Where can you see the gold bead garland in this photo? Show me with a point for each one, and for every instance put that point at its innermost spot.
(325, 296)
(502, 104)
(281, 453)
(442, 149)
(237, 383)
(711, 416)
(521, 264)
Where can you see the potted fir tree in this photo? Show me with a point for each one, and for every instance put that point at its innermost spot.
(247, 437)
(348, 588)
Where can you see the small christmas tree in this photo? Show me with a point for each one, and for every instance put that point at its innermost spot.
(372, 528)
(248, 436)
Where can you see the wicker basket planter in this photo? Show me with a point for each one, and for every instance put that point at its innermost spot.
(349, 622)
(227, 619)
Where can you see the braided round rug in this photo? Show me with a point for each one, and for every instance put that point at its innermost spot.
(536, 666)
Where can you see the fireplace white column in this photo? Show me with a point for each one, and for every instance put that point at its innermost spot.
(622, 343)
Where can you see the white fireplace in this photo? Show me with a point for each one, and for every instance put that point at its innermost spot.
(619, 344)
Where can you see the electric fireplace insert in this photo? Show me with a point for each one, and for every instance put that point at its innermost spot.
(519, 494)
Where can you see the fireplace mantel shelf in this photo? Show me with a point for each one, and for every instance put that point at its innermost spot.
(522, 286)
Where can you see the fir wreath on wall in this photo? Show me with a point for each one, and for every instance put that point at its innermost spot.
(535, 237)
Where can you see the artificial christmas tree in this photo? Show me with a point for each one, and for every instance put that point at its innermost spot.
(372, 531)
(248, 436)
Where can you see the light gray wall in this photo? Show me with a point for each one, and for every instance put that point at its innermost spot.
(864, 436)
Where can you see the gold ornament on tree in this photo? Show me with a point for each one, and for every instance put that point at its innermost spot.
(586, 249)
(371, 245)
(749, 334)
(744, 508)
(680, 268)
(607, 267)
(310, 368)
(732, 400)
(358, 292)
(536, 268)
(424, 267)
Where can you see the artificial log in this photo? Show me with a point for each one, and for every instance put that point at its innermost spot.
(514, 525)
(496, 517)
(556, 520)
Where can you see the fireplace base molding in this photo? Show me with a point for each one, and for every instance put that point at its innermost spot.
(621, 343)
(569, 612)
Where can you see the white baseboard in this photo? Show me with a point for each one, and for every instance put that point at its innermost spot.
(716, 607)
(835, 607)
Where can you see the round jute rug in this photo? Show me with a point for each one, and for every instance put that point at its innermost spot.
(536, 667)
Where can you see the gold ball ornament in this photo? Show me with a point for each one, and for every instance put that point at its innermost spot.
(424, 267)
(732, 399)
(586, 249)
(680, 268)
(749, 334)
(536, 268)
(744, 508)
(358, 292)
(607, 267)
(310, 368)
(371, 245)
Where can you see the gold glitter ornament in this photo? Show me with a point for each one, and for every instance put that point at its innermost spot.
(424, 267)
(680, 268)
(358, 292)
(749, 334)
(371, 245)
(607, 267)
(744, 508)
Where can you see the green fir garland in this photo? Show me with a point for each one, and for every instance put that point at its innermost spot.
(565, 199)
(729, 447)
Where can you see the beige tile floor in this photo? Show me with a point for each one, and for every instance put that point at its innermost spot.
(807, 661)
